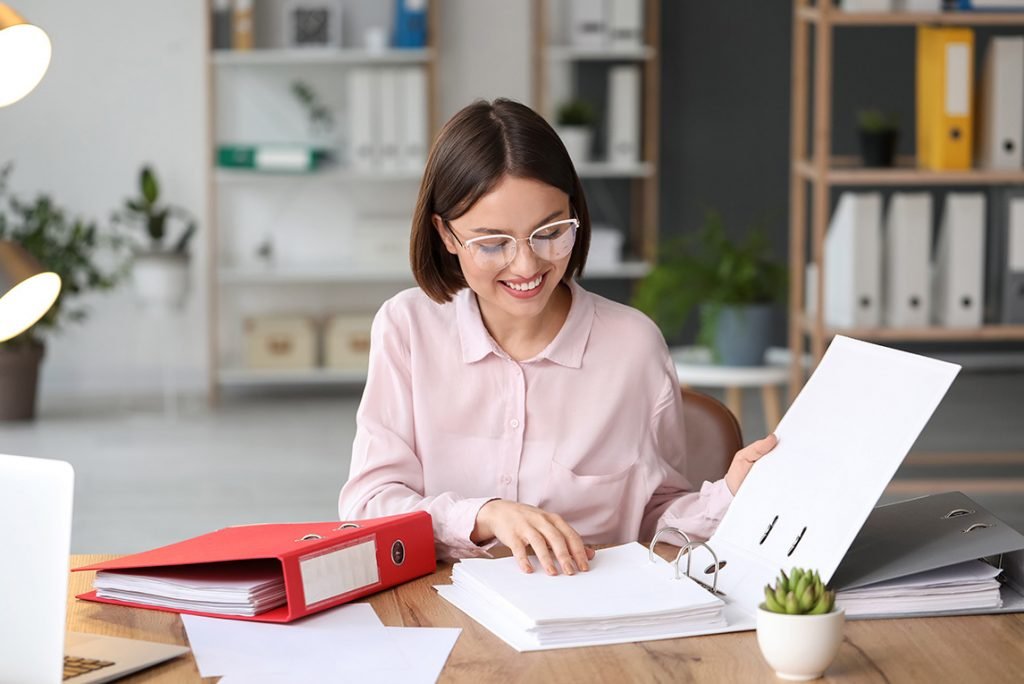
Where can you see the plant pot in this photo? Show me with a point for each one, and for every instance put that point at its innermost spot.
(743, 334)
(878, 149)
(19, 379)
(161, 278)
(799, 647)
(577, 141)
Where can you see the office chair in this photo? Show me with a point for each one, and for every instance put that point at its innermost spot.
(713, 437)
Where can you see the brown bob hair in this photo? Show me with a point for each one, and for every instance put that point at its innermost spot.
(474, 150)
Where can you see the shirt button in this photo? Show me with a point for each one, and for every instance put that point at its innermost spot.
(505, 479)
(514, 422)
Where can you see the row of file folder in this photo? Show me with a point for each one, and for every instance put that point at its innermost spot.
(387, 118)
(950, 134)
(882, 270)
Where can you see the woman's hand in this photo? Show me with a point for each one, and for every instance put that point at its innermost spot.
(745, 459)
(519, 525)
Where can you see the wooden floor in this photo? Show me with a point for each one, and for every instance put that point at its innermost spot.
(144, 479)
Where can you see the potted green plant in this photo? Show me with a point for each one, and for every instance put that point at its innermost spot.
(879, 134)
(161, 264)
(84, 257)
(734, 286)
(799, 627)
(575, 126)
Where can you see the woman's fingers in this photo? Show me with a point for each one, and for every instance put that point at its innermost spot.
(755, 450)
(574, 541)
(519, 553)
(556, 539)
(540, 548)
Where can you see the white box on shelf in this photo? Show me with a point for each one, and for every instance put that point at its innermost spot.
(853, 262)
(588, 23)
(413, 98)
(958, 279)
(867, 5)
(605, 247)
(387, 84)
(381, 242)
(624, 114)
(280, 342)
(363, 108)
(626, 23)
(918, 5)
(347, 342)
(1001, 122)
(907, 275)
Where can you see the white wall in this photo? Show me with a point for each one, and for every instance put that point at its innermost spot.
(126, 86)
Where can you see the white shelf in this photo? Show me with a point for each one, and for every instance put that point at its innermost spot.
(310, 56)
(252, 377)
(285, 275)
(626, 270)
(639, 53)
(609, 170)
(328, 175)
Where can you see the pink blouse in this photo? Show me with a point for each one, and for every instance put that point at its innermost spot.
(591, 428)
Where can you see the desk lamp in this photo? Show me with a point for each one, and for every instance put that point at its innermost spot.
(27, 290)
(24, 56)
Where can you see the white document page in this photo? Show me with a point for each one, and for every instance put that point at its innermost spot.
(347, 643)
(839, 445)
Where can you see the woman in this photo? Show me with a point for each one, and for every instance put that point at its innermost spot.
(502, 398)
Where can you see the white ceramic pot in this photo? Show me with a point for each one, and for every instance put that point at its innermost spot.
(577, 140)
(799, 647)
(161, 278)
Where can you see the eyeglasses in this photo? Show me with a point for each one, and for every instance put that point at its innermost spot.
(550, 242)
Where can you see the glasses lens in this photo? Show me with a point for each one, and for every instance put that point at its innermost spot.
(492, 252)
(554, 241)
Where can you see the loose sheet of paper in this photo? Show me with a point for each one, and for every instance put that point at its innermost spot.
(347, 643)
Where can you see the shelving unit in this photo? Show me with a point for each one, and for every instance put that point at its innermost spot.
(815, 170)
(250, 92)
(550, 55)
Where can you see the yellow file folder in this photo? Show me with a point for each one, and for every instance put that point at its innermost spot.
(945, 100)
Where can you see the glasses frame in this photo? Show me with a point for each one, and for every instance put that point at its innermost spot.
(575, 223)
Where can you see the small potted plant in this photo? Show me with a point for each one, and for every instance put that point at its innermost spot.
(161, 263)
(879, 134)
(799, 627)
(734, 286)
(575, 126)
(85, 257)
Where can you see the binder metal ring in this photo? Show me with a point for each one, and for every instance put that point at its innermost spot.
(309, 537)
(650, 549)
(976, 526)
(957, 512)
(346, 526)
(714, 582)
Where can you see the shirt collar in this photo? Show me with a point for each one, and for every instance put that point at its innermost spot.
(566, 349)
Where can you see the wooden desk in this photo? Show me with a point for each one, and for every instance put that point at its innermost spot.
(986, 648)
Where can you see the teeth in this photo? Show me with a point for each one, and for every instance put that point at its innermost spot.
(526, 287)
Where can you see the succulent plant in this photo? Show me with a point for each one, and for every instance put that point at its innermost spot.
(800, 593)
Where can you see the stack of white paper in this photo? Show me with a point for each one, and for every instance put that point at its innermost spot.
(237, 589)
(965, 586)
(623, 597)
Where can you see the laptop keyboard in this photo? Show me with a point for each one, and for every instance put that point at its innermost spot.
(79, 666)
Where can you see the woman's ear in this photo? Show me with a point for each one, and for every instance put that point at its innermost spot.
(446, 237)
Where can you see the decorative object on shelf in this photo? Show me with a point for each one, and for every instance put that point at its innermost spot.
(347, 342)
(73, 249)
(160, 266)
(879, 135)
(281, 342)
(799, 628)
(26, 55)
(312, 23)
(242, 25)
(321, 121)
(410, 23)
(733, 284)
(575, 125)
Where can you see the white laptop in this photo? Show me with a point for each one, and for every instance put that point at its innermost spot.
(35, 544)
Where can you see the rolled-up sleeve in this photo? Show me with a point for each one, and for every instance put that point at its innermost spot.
(386, 475)
(675, 503)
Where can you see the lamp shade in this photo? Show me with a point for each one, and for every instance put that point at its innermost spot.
(27, 290)
(24, 56)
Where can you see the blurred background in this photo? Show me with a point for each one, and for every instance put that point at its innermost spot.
(226, 187)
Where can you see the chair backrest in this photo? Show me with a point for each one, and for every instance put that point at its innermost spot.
(713, 437)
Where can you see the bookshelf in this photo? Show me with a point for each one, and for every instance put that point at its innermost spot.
(556, 64)
(815, 172)
(303, 212)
